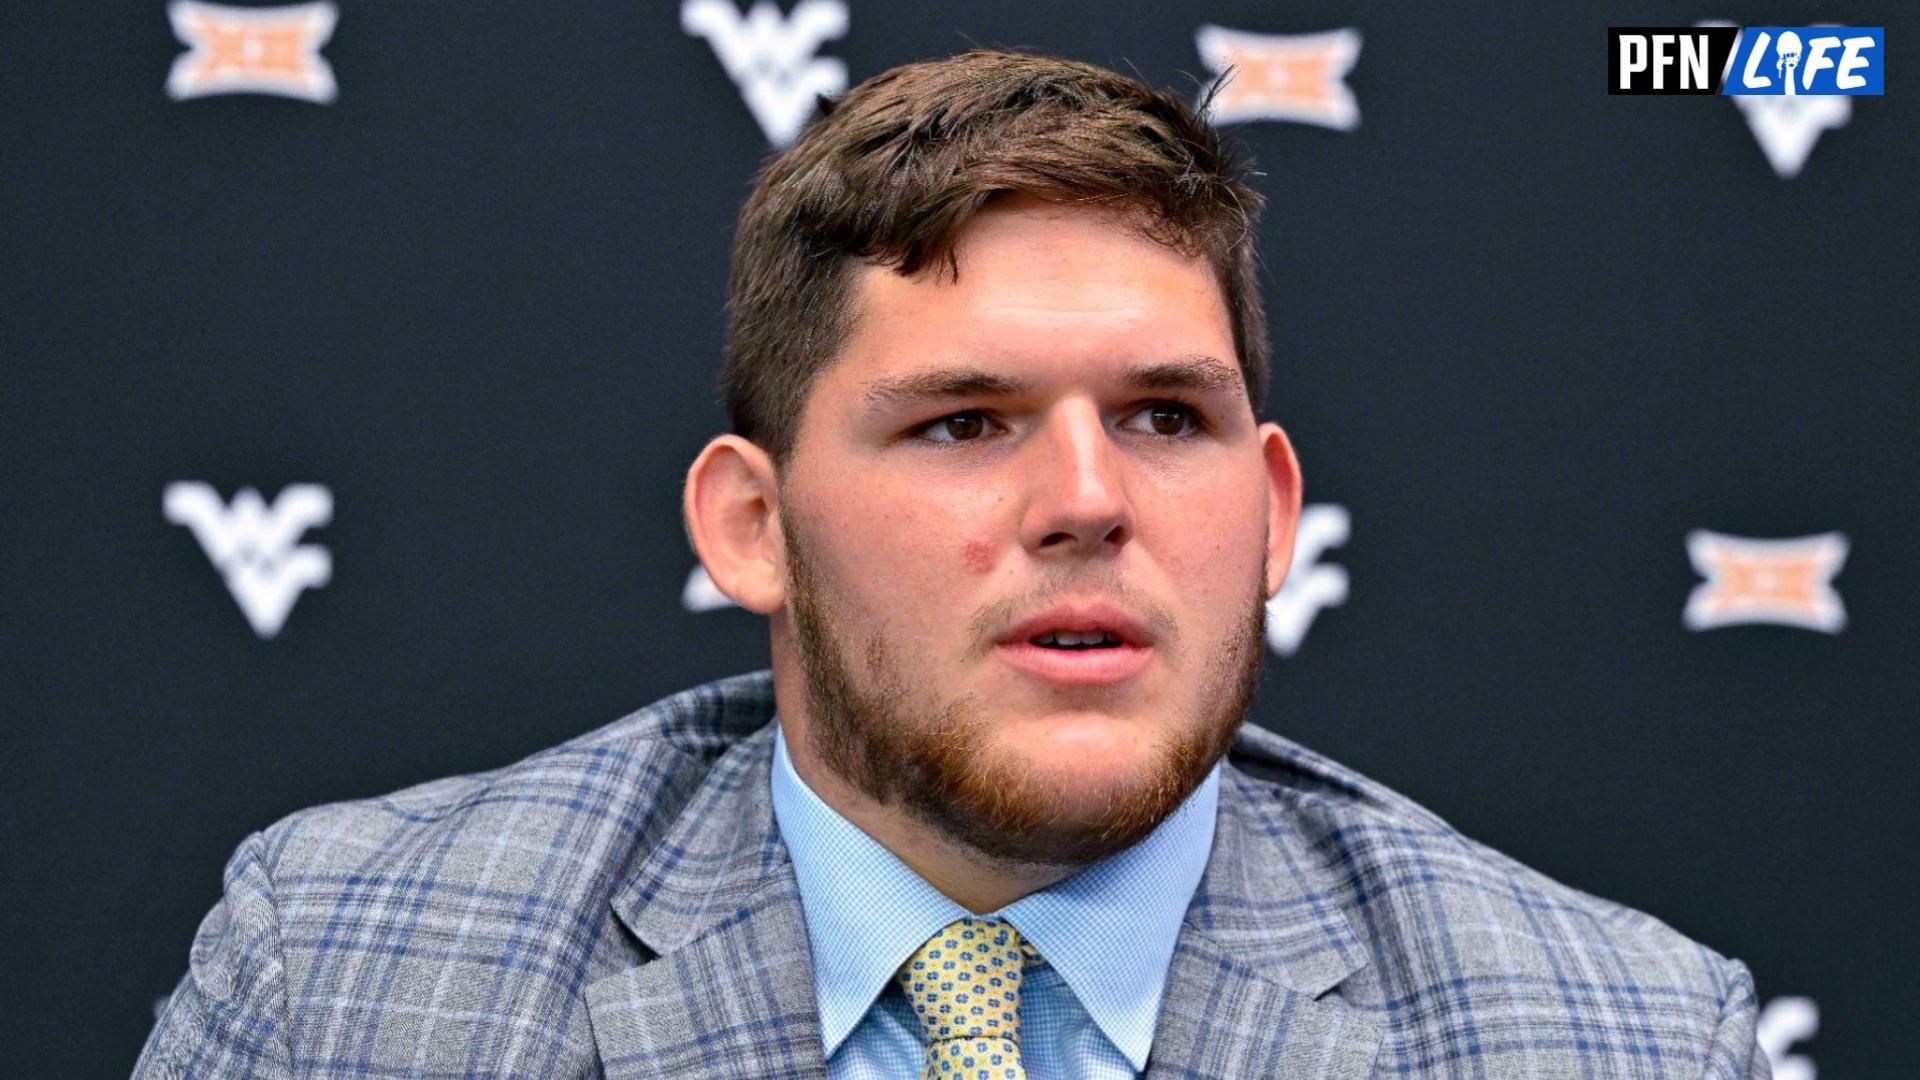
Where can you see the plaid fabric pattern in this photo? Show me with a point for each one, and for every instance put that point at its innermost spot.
(622, 906)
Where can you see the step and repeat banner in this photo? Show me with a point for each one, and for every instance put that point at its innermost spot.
(354, 353)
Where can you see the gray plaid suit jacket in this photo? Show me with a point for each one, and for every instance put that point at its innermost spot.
(623, 905)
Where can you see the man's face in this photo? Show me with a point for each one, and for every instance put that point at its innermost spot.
(1027, 522)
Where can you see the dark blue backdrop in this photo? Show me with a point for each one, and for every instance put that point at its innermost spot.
(1528, 339)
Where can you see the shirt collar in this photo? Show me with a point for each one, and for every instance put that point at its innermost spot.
(1109, 930)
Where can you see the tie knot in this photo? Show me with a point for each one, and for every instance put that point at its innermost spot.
(964, 984)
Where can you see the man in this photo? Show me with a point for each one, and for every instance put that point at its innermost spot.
(997, 482)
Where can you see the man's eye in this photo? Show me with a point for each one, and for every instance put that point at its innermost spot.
(1166, 418)
(960, 427)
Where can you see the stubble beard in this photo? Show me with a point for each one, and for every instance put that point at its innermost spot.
(934, 760)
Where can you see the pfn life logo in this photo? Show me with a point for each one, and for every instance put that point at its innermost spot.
(1668, 59)
(1809, 61)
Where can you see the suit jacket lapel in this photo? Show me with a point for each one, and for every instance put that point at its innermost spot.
(730, 991)
(1262, 945)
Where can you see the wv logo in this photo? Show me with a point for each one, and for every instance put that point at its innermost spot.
(771, 57)
(1787, 128)
(1311, 584)
(1784, 1022)
(701, 594)
(253, 546)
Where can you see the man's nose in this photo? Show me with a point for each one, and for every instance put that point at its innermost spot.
(1078, 499)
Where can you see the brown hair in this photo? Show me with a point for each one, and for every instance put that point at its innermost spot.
(892, 173)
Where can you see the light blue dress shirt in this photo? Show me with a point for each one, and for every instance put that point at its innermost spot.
(1106, 935)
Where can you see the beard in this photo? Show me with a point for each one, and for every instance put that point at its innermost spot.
(934, 760)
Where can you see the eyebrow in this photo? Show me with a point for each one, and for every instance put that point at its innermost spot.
(1200, 373)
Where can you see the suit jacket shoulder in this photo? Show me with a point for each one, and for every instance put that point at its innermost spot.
(1472, 958)
(448, 928)
(622, 905)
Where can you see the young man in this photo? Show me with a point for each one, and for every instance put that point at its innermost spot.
(997, 481)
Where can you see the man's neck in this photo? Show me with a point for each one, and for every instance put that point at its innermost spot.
(968, 878)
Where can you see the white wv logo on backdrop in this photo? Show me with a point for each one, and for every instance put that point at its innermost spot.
(253, 545)
(1311, 585)
(1783, 1022)
(701, 594)
(771, 56)
(1787, 127)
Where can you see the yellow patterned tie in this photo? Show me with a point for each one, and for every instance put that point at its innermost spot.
(964, 984)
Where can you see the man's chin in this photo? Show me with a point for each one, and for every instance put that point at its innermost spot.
(1079, 740)
(1085, 797)
(1066, 790)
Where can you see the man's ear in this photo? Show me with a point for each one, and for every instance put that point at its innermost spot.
(1283, 503)
(732, 509)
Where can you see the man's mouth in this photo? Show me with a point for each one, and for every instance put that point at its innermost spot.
(1091, 624)
(1099, 639)
(1079, 644)
(1104, 661)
